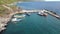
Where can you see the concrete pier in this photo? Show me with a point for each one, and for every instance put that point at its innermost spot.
(43, 12)
(53, 14)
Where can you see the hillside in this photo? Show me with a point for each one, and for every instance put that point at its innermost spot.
(4, 10)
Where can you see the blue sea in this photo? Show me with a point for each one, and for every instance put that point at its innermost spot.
(35, 24)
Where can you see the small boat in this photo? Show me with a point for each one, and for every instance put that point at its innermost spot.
(16, 20)
(45, 14)
(42, 14)
(28, 14)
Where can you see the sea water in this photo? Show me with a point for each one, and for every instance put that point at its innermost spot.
(35, 24)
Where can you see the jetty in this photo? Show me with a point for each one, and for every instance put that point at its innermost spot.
(43, 12)
(53, 14)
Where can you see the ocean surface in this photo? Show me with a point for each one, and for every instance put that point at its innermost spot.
(35, 24)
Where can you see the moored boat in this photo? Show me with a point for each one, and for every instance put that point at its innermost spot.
(15, 20)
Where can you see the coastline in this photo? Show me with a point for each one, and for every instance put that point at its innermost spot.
(5, 26)
(5, 20)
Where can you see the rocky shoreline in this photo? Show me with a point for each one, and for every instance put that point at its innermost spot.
(3, 23)
(4, 20)
(5, 27)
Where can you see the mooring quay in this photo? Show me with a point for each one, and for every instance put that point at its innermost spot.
(42, 12)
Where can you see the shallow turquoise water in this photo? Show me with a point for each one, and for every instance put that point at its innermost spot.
(35, 24)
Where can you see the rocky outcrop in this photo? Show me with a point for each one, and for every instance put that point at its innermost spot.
(4, 20)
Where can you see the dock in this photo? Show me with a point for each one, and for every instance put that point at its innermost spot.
(43, 12)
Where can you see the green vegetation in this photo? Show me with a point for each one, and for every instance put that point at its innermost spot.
(7, 1)
(3, 10)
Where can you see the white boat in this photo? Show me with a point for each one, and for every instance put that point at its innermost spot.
(42, 14)
(39, 13)
(15, 20)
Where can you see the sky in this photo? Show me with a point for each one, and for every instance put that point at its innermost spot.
(52, 0)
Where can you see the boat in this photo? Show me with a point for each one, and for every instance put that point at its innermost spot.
(28, 14)
(42, 13)
(16, 20)
(45, 14)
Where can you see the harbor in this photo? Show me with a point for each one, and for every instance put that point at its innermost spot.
(34, 24)
(4, 21)
(30, 17)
